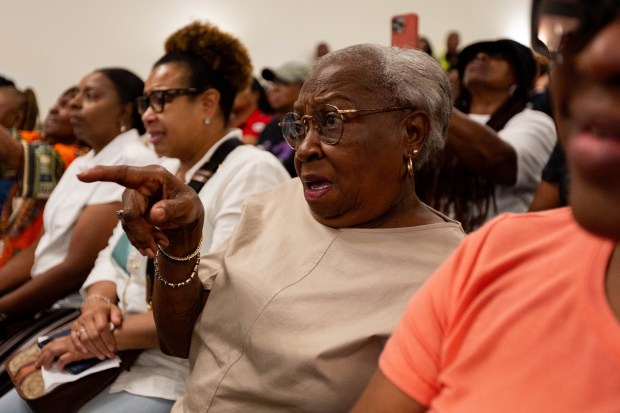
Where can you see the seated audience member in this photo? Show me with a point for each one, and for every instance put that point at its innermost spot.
(450, 58)
(321, 50)
(539, 97)
(38, 161)
(11, 104)
(12, 115)
(78, 218)
(30, 109)
(286, 82)
(524, 317)
(292, 312)
(251, 112)
(6, 102)
(497, 147)
(425, 45)
(178, 98)
(552, 191)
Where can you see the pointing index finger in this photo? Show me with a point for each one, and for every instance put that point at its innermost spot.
(127, 176)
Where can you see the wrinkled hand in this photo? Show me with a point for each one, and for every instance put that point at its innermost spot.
(158, 208)
(95, 335)
(63, 349)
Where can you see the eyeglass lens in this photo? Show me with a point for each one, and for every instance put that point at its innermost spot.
(157, 99)
(327, 122)
(154, 99)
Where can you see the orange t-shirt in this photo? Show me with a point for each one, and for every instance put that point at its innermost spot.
(517, 320)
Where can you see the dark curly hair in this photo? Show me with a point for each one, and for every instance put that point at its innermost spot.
(215, 60)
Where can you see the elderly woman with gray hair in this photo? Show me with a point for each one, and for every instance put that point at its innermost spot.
(292, 312)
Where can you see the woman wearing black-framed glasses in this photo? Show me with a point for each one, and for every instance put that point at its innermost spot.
(187, 100)
(525, 316)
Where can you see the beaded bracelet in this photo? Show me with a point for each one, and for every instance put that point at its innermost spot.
(175, 285)
(97, 297)
(182, 259)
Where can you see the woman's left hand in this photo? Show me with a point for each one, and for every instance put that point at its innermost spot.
(63, 350)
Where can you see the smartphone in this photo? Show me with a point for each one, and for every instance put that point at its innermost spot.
(405, 31)
(75, 367)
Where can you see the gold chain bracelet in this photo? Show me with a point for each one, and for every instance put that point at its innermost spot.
(175, 285)
(182, 259)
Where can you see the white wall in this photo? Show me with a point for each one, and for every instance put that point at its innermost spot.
(50, 44)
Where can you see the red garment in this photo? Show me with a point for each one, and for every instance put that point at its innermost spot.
(255, 123)
(517, 320)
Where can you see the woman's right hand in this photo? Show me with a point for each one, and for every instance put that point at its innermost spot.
(158, 208)
(92, 331)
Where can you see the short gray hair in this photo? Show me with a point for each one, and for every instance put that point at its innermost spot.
(404, 77)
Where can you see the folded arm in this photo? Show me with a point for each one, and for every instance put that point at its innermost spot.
(481, 149)
(91, 233)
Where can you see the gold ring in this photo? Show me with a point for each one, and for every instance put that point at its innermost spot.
(80, 332)
(119, 214)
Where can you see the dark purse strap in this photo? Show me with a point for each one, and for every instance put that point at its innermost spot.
(206, 171)
(199, 179)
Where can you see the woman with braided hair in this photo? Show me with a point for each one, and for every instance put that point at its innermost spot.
(496, 147)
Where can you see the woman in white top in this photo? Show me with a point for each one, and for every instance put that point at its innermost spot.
(187, 100)
(496, 147)
(79, 218)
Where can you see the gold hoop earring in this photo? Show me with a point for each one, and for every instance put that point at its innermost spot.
(410, 166)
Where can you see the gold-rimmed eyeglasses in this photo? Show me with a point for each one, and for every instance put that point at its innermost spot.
(328, 122)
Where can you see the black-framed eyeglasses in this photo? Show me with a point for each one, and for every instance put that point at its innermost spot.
(328, 122)
(157, 99)
(561, 28)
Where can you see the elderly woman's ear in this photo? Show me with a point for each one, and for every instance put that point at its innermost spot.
(415, 131)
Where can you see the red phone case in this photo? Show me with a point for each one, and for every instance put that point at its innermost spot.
(405, 31)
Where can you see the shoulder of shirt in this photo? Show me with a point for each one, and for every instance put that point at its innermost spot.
(529, 115)
(250, 155)
(534, 224)
(288, 191)
(139, 148)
